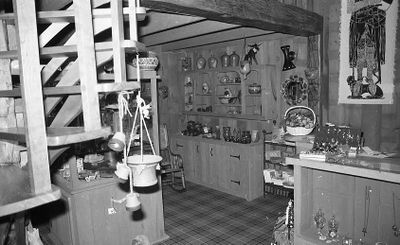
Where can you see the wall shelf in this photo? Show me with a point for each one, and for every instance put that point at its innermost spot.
(57, 136)
(236, 116)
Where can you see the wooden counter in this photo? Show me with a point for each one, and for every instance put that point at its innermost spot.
(340, 190)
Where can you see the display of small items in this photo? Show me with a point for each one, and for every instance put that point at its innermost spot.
(236, 136)
(337, 140)
(330, 234)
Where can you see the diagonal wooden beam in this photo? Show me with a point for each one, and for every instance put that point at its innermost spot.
(187, 31)
(264, 14)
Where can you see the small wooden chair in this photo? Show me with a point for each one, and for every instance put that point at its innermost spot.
(172, 164)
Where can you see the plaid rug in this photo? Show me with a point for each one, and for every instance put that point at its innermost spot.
(205, 216)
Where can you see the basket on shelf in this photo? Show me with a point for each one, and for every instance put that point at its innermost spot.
(300, 120)
(146, 63)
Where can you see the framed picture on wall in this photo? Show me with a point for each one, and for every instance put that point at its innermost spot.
(367, 50)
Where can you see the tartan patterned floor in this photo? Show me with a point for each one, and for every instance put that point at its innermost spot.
(206, 216)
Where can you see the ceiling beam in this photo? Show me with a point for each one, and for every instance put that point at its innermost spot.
(217, 37)
(156, 21)
(186, 31)
(264, 14)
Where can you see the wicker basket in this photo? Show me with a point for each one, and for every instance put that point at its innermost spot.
(300, 110)
(146, 63)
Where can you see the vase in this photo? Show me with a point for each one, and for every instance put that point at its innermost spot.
(226, 133)
(225, 60)
(234, 59)
(201, 63)
(212, 62)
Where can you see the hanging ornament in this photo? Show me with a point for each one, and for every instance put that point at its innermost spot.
(289, 56)
(245, 63)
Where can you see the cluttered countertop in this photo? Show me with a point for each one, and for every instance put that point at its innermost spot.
(341, 150)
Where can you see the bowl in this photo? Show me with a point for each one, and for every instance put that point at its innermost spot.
(146, 63)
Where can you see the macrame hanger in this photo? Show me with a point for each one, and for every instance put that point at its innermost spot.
(123, 109)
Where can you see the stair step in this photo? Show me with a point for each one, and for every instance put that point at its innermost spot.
(130, 46)
(68, 90)
(68, 16)
(19, 197)
(58, 136)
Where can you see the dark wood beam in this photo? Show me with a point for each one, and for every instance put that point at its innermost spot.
(264, 14)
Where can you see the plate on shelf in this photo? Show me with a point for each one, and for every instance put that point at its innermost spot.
(205, 88)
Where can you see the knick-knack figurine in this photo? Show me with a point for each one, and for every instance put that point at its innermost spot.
(333, 227)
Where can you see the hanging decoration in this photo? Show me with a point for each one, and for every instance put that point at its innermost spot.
(245, 63)
(289, 56)
(140, 169)
(367, 45)
(294, 90)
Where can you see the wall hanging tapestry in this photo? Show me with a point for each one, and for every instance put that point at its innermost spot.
(367, 48)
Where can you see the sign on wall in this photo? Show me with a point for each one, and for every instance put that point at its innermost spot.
(367, 48)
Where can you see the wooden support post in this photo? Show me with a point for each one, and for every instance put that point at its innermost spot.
(154, 108)
(87, 64)
(31, 87)
(117, 39)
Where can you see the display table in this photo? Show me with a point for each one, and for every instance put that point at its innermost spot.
(363, 196)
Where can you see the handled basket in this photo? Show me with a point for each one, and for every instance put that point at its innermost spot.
(297, 111)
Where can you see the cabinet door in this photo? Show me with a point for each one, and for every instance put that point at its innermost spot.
(202, 162)
(184, 148)
(237, 171)
(214, 154)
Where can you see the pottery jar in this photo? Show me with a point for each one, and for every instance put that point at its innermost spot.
(201, 63)
(225, 60)
(234, 59)
(212, 62)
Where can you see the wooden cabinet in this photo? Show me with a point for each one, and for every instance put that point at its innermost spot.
(84, 217)
(360, 197)
(229, 167)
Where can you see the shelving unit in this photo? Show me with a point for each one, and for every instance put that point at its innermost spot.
(219, 80)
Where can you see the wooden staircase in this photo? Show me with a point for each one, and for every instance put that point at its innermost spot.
(79, 87)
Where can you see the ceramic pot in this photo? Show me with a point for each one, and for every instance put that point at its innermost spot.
(234, 59)
(212, 62)
(201, 63)
(225, 60)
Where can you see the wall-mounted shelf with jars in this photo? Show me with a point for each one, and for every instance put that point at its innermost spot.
(225, 92)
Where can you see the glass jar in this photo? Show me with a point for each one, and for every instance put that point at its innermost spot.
(226, 133)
